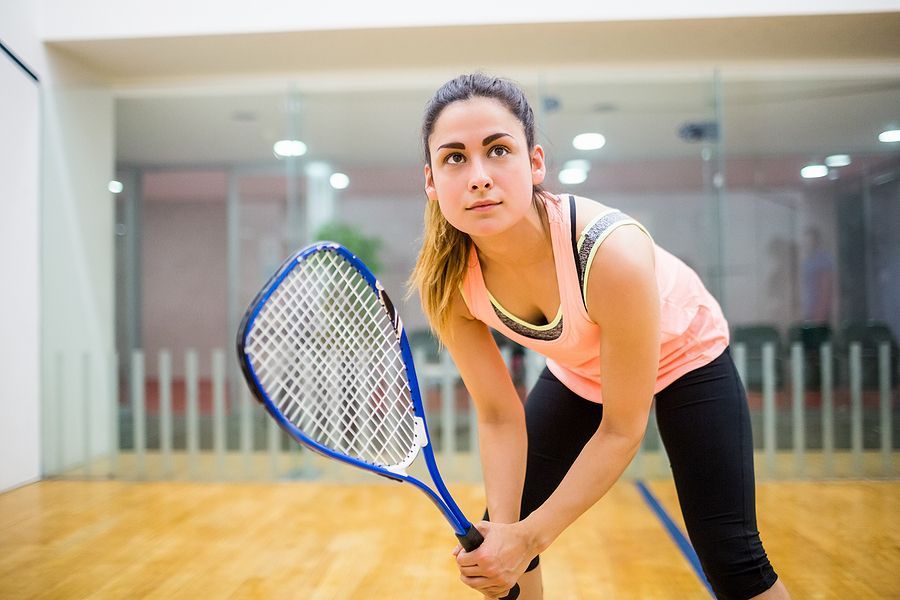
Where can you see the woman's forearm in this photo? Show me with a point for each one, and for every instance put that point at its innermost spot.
(503, 447)
(601, 462)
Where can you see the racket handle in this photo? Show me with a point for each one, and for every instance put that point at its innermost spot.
(470, 541)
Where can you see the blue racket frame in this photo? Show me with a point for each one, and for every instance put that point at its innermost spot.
(442, 499)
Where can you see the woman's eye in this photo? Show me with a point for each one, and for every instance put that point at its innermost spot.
(499, 151)
(454, 159)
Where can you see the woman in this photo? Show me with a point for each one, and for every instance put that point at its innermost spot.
(619, 319)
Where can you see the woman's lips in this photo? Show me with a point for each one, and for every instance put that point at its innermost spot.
(483, 206)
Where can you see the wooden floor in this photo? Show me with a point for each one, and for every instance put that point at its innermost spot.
(69, 539)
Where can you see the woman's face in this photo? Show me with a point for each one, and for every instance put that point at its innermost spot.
(482, 170)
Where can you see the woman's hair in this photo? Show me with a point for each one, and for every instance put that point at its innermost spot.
(444, 256)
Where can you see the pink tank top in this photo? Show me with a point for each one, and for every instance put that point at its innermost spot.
(693, 329)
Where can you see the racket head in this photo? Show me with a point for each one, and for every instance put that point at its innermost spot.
(466, 533)
(411, 422)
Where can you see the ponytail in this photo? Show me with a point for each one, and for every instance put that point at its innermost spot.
(440, 268)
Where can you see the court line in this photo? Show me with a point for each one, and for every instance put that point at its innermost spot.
(675, 533)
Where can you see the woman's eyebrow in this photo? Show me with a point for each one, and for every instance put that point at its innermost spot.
(493, 137)
(484, 142)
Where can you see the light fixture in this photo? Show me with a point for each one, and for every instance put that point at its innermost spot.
(339, 181)
(115, 187)
(589, 141)
(572, 176)
(286, 148)
(890, 135)
(579, 163)
(838, 160)
(813, 171)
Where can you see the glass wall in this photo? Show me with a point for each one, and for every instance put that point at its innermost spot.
(812, 262)
(77, 261)
(219, 188)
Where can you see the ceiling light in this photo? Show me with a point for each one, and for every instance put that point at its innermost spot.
(115, 187)
(837, 160)
(813, 171)
(289, 148)
(890, 135)
(589, 141)
(339, 181)
(572, 176)
(578, 163)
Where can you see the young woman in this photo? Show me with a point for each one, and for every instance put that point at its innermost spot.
(618, 318)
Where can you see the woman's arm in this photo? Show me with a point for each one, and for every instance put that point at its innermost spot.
(501, 417)
(624, 301)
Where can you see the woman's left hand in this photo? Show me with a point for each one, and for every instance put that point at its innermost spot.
(495, 566)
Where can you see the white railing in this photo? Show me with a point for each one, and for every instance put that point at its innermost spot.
(192, 428)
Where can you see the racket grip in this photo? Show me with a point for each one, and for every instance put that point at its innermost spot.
(470, 541)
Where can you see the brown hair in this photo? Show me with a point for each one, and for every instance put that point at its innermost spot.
(443, 259)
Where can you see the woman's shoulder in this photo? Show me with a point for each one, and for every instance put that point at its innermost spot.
(588, 210)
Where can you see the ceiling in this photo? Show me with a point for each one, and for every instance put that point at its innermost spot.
(793, 89)
(315, 56)
(379, 130)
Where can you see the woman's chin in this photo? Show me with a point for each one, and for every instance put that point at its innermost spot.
(480, 228)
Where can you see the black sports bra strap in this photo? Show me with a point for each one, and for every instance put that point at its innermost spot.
(575, 243)
(574, 239)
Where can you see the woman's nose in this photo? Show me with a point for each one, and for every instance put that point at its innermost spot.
(480, 180)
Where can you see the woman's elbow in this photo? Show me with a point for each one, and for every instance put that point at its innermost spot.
(501, 416)
(629, 434)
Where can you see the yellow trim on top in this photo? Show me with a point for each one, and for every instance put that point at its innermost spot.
(596, 246)
(513, 317)
(591, 224)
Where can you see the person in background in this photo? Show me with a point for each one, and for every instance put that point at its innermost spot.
(818, 279)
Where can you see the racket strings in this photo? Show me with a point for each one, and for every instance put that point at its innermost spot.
(354, 434)
(326, 353)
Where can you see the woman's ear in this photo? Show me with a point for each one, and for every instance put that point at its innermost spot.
(429, 184)
(538, 166)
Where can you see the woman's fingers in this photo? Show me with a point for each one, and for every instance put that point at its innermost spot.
(473, 571)
(467, 559)
(486, 586)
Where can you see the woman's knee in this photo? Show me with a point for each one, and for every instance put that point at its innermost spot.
(735, 564)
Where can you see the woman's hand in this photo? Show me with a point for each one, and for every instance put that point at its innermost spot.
(495, 566)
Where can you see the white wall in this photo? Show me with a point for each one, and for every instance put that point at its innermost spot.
(106, 19)
(19, 265)
(56, 219)
(19, 31)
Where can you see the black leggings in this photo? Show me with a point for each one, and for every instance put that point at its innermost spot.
(705, 425)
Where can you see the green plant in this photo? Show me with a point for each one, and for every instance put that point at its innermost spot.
(365, 247)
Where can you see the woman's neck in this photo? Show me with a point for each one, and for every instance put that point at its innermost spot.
(523, 245)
